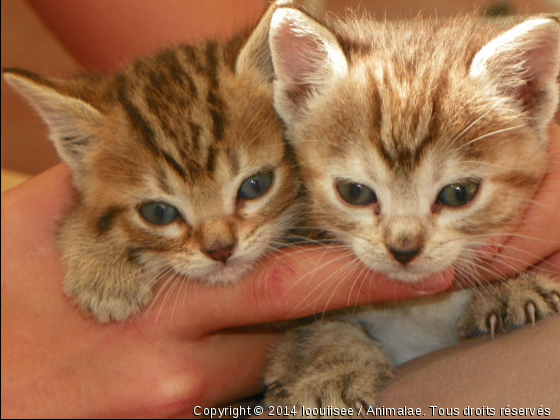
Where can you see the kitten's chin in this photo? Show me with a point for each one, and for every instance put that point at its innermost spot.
(414, 276)
(228, 273)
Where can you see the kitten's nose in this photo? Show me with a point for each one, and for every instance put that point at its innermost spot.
(220, 254)
(404, 256)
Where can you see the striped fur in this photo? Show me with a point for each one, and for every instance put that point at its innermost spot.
(186, 127)
(407, 108)
(406, 118)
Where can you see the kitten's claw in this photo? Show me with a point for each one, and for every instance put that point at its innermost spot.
(493, 322)
(530, 310)
(555, 301)
(361, 408)
(505, 306)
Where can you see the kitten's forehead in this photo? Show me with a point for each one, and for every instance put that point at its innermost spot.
(406, 134)
(187, 108)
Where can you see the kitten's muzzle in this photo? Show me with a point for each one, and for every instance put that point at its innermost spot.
(221, 254)
(404, 256)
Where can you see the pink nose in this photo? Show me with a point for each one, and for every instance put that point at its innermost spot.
(221, 254)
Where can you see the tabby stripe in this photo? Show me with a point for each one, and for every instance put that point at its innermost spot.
(195, 136)
(135, 118)
(218, 124)
(427, 141)
(211, 159)
(178, 75)
(133, 253)
(175, 165)
(107, 220)
(289, 157)
(384, 153)
(192, 167)
(214, 99)
(142, 126)
(192, 58)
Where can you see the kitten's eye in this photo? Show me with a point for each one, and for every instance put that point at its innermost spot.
(356, 194)
(159, 213)
(255, 186)
(456, 195)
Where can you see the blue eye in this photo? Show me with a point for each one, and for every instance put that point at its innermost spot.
(355, 194)
(456, 195)
(159, 213)
(255, 186)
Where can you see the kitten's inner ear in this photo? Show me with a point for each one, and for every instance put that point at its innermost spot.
(306, 57)
(524, 63)
(255, 54)
(72, 123)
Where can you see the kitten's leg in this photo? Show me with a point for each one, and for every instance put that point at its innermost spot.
(100, 274)
(330, 363)
(504, 306)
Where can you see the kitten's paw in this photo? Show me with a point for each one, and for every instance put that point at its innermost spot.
(504, 306)
(106, 306)
(99, 274)
(112, 308)
(329, 364)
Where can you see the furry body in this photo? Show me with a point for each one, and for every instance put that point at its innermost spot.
(421, 144)
(188, 135)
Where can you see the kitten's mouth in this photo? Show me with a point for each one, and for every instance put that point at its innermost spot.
(435, 282)
(230, 272)
(424, 281)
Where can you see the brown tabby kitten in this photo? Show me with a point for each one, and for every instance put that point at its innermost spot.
(181, 167)
(421, 144)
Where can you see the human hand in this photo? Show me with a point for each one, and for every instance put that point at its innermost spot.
(174, 355)
(537, 240)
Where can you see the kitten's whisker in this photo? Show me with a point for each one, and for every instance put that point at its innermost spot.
(320, 284)
(170, 289)
(159, 292)
(338, 284)
(493, 133)
(471, 125)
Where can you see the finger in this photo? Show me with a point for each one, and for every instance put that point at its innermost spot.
(220, 368)
(238, 360)
(551, 265)
(295, 283)
(51, 192)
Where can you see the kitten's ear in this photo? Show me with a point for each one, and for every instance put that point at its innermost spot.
(72, 122)
(306, 57)
(524, 64)
(255, 54)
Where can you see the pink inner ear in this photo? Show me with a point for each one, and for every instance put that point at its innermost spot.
(299, 56)
(540, 62)
(541, 68)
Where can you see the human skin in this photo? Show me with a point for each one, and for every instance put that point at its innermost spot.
(172, 356)
(57, 363)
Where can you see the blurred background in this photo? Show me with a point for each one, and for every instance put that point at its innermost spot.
(62, 37)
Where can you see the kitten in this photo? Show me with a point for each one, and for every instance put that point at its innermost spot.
(180, 164)
(421, 144)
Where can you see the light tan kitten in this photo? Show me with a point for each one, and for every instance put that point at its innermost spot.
(181, 167)
(421, 144)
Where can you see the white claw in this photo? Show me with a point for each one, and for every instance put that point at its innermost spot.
(556, 301)
(530, 310)
(361, 408)
(493, 321)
